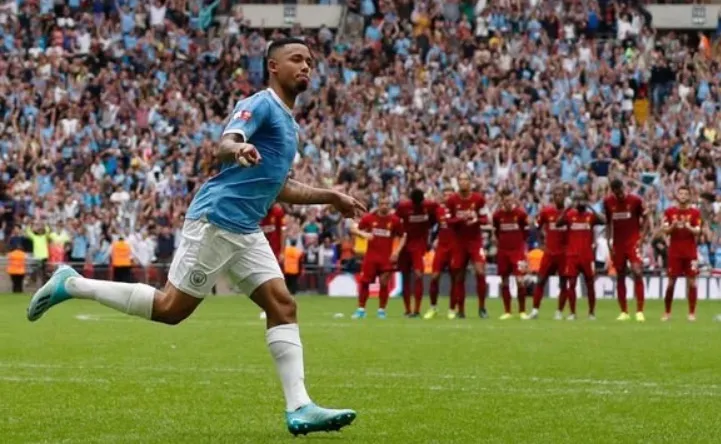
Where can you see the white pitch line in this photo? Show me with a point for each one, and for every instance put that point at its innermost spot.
(529, 392)
(374, 373)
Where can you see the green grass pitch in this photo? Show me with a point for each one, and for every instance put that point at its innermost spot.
(85, 374)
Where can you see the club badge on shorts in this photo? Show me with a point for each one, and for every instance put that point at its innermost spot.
(198, 278)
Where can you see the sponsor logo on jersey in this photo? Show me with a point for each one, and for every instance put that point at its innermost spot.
(510, 227)
(418, 218)
(580, 226)
(621, 215)
(381, 232)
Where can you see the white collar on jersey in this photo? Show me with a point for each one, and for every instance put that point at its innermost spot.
(275, 97)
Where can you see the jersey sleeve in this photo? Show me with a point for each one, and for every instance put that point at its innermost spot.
(523, 221)
(668, 216)
(696, 218)
(481, 202)
(365, 222)
(248, 116)
(280, 220)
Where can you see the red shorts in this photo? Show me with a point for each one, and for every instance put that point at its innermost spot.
(551, 264)
(442, 259)
(577, 265)
(624, 255)
(411, 259)
(512, 263)
(373, 267)
(467, 252)
(682, 267)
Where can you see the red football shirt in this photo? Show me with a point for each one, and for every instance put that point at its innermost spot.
(555, 235)
(466, 208)
(446, 233)
(580, 233)
(384, 229)
(683, 241)
(625, 217)
(417, 221)
(511, 230)
(273, 225)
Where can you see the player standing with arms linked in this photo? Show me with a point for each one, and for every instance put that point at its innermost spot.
(682, 224)
(554, 250)
(510, 224)
(381, 228)
(418, 216)
(466, 209)
(580, 220)
(445, 247)
(626, 216)
(221, 235)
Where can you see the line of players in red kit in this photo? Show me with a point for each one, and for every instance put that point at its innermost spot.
(399, 240)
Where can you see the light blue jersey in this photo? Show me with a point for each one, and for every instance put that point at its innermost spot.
(237, 198)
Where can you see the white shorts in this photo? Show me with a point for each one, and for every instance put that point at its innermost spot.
(206, 251)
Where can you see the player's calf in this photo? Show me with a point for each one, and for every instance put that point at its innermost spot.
(277, 303)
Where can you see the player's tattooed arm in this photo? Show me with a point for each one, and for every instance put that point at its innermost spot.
(298, 193)
(295, 192)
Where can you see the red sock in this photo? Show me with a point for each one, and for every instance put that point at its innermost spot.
(362, 295)
(521, 289)
(434, 292)
(383, 296)
(638, 291)
(668, 299)
(454, 294)
(460, 290)
(506, 295)
(572, 299)
(461, 294)
(692, 298)
(481, 290)
(407, 292)
(562, 298)
(417, 293)
(538, 292)
(622, 302)
(591, 290)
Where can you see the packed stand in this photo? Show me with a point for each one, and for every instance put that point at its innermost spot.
(111, 112)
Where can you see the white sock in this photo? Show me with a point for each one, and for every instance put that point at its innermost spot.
(287, 351)
(534, 311)
(133, 299)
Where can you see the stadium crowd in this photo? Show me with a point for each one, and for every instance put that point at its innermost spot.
(110, 112)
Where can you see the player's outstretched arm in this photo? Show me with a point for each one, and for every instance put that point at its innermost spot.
(298, 193)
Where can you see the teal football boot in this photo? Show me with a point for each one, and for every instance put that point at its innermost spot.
(312, 418)
(52, 293)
